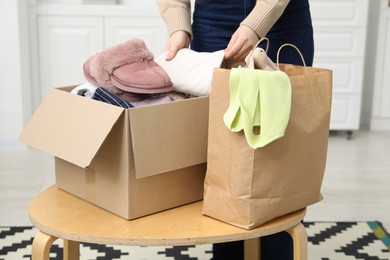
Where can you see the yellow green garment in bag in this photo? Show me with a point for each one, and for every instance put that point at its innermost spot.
(258, 98)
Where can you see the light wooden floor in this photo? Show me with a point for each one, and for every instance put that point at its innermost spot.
(356, 184)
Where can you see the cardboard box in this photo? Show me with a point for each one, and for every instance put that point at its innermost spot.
(132, 162)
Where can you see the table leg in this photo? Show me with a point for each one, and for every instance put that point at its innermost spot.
(299, 237)
(71, 250)
(252, 249)
(41, 246)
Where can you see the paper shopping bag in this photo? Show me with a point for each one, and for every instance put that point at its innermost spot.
(247, 187)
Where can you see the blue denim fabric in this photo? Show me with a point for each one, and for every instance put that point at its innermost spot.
(278, 246)
(214, 22)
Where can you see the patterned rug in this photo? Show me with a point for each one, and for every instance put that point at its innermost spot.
(327, 241)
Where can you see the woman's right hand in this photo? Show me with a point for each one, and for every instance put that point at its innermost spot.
(177, 41)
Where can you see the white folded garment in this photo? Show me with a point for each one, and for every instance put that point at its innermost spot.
(191, 72)
(86, 90)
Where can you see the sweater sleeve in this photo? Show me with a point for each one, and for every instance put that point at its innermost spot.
(176, 14)
(264, 15)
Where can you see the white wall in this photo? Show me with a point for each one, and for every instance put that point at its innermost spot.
(12, 80)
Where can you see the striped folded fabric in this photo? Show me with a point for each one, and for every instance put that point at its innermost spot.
(103, 95)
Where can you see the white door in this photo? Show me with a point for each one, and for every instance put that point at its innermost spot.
(64, 44)
(150, 29)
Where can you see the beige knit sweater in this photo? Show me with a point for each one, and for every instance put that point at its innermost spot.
(177, 15)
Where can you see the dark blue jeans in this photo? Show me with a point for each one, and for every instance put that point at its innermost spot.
(214, 22)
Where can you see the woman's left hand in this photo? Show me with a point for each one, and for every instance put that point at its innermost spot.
(242, 42)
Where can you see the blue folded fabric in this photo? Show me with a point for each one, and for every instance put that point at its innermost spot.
(103, 95)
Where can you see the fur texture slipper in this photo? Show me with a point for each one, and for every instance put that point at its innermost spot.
(126, 62)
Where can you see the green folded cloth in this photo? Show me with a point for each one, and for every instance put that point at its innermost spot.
(258, 98)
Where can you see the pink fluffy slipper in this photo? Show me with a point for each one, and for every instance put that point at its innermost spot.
(132, 78)
(127, 68)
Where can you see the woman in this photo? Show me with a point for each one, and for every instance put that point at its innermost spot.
(236, 26)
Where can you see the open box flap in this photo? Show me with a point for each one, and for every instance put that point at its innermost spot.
(70, 127)
(169, 136)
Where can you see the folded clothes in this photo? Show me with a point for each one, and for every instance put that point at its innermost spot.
(153, 100)
(86, 90)
(191, 72)
(258, 98)
(104, 95)
(101, 94)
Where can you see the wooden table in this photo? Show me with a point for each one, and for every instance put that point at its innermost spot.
(58, 214)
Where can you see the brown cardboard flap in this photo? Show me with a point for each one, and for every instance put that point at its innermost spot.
(70, 127)
(169, 136)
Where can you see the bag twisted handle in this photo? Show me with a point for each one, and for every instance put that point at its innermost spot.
(307, 75)
(290, 45)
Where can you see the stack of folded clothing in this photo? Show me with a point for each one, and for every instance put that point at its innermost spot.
(191, 72)
(126, 75)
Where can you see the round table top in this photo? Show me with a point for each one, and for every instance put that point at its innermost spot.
(61, 214)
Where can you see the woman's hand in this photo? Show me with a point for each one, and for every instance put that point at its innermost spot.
(242, 42)
(177, 41)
